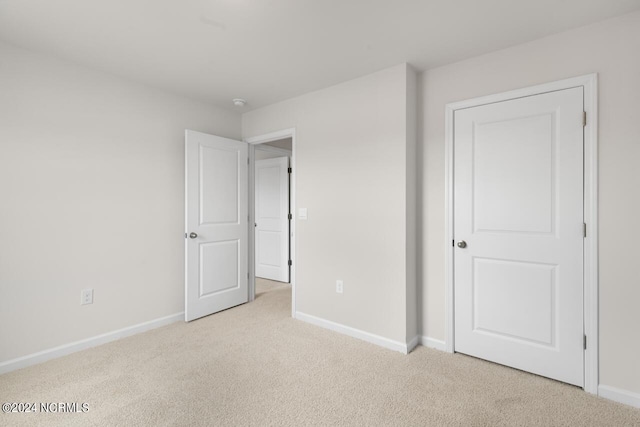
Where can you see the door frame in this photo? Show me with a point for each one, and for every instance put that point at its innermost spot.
(253, 141)
(589, 83)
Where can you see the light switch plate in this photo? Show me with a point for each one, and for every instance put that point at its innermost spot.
(302, 213)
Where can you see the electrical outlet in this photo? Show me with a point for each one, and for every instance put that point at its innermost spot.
(339, 286)
(86, 296)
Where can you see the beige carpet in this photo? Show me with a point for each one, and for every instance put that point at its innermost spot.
(254, 365)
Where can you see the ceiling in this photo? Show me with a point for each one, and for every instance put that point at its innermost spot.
(270, 50)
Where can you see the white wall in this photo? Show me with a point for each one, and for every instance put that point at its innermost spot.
(91, 196)
(612, 49)
(351, 163)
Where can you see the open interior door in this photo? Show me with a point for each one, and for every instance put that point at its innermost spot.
(272, 219)
(216, 224)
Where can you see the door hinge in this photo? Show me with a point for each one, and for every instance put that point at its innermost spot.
(247, 160)
(290, 217)
(584, 342)
(289, 170)
(290, 262)
(584, 118)
(584, 230)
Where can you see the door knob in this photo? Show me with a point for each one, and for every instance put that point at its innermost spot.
(193, 235)
(462, 244)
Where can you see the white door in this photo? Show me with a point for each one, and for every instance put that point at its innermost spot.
(216, 224)
(518, 206)
(272, 219)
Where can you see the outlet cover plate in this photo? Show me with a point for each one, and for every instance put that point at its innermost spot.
(86, 296)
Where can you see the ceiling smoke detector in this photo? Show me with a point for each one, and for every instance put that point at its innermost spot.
(239, 102)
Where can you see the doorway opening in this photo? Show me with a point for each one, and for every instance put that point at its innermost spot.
(271, 206)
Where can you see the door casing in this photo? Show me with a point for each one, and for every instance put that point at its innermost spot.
(589, 84)
(253, 141)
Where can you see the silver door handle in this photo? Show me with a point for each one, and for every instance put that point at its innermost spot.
(193, 235)
(462, 244)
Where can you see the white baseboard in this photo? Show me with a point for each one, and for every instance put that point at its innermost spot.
(357, 333)
(63, 350)
(619, 395)
(433, 343)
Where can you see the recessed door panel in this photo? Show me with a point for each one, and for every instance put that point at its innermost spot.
(219, 175)
(269, 194)
(513, 162)
(514, 300)
(219, 267)
(270, 248)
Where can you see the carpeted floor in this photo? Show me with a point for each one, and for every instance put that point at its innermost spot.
(254, 365)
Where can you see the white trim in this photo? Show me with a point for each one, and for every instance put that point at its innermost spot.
(619, 395)
(357, 333)
(433, 343)
(253, 141)
(589, 83)
(449, 332)
(591, 286)
(186, 223)
(251, 224)
(63, 350)
(586, 80)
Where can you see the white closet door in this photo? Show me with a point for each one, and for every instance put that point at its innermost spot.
(518, 207)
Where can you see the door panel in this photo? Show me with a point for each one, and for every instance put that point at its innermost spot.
(219, 175)
(215, 276)
(272, 221)
(514, 300)
(517, 180)
(216, 211)
(518, 205)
